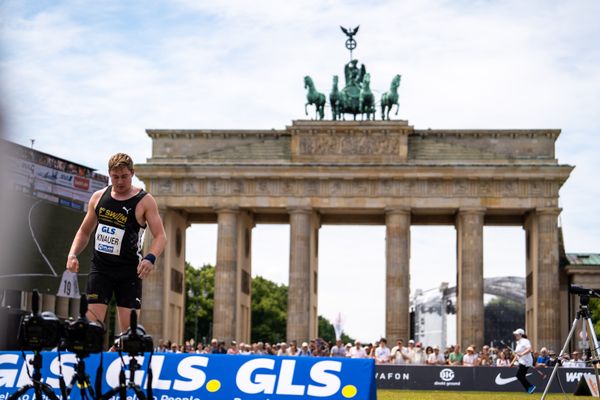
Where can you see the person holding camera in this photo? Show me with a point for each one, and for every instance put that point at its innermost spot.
(118, 215)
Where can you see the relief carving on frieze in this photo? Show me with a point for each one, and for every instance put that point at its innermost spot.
(373, 144)
(166, 186)
(190, 187)
(356, 188)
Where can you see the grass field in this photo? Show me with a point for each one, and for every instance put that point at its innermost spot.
(439, 395)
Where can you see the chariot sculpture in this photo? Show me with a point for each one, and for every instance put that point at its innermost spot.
(356, 97)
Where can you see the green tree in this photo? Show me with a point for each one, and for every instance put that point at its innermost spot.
(269, 308)
(199, 284)
(269, 311)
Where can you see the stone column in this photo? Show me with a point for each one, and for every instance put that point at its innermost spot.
(302, 321)
(163, 291)
(397, 288)
(244, 277)
(226, 272)
(469, 285)
(543, 291)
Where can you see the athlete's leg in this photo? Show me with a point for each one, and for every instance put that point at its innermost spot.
(125, 317)
(99, 291)
(96, 312)
(129, 297)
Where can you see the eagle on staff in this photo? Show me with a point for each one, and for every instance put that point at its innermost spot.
(350, 32)
(350, 42)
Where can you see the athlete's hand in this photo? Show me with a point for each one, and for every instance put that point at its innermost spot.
(144, 268)
(72, 263)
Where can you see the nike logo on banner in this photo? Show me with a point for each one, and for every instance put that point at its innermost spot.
(500, 381)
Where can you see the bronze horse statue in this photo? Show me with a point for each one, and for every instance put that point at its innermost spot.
(315, 98)
(366, 100)
(388, 99)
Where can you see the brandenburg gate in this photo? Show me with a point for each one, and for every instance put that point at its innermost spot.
(369, 172)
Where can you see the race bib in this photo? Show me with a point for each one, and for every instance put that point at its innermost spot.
(109, 239)
(69, 286)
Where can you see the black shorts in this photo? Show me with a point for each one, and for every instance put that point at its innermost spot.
(102, 286)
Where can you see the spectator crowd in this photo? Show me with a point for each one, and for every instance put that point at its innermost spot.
(411, 353)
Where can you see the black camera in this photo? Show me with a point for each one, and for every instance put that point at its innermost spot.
(83, 336)
(39, 331)
(134, 340)
(581, 291)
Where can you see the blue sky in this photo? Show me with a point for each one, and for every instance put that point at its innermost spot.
(86, 79)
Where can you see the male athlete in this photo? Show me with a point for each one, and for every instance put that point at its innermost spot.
(118, 215)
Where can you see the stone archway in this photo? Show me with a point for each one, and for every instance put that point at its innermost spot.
(384, 172)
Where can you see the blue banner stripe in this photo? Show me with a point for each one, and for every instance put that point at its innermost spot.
(204, 376)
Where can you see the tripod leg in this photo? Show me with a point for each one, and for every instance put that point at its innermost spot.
(37, 385)
(138, 391)
(89, 387)
(71, 384)
(63, 387)
(20, 392)
(48, 391)
(149, 384)
(554, 370)
(123, 386)
(593, 343)
(121, 389)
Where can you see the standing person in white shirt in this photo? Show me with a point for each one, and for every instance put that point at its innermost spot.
(525, 359)
(439, 357)
(420, 357)
(382, 352)
(577, 361)
(470, 359)
(357, 351)
(410, 351)
(398, 354)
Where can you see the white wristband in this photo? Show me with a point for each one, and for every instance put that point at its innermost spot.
(72, 255)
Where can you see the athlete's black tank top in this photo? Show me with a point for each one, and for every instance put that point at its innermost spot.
(118, 235)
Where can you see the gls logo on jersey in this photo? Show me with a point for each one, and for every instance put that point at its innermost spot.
(109, 229)
(108, 239)
(244, 377)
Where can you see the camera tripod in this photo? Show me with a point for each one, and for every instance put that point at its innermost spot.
(584, 316)
(36, 384)
(81, 379)
(124, 385)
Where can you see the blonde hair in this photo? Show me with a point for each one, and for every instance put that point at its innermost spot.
(120, 160)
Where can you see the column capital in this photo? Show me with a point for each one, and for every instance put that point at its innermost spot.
(226, 209)
(471, 210)
(300, 210)
(548, 211)
(392, 210)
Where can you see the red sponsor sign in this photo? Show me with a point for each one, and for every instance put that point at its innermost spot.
(81, 183)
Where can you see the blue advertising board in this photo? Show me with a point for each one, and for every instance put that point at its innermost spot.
(203, 376)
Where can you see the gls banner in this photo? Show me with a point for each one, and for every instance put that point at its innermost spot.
(204, 376)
